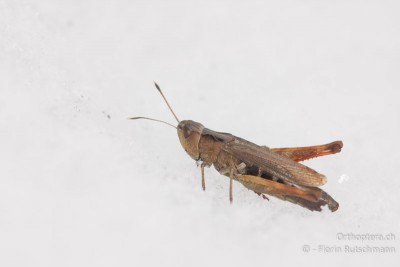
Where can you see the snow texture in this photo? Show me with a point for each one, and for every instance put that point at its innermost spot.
(80, 185)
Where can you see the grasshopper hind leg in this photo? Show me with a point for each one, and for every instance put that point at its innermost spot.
(304, 153)
(312, 198)
(262, 195)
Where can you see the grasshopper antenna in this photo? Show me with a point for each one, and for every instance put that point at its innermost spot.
(145, 118)
(158, 88)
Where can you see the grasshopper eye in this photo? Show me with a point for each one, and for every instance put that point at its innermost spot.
(187, 132)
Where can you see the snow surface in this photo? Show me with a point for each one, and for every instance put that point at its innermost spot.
(80, 185)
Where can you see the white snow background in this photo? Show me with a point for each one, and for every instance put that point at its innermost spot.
(80, 185)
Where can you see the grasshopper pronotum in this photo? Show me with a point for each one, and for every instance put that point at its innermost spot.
(272, 171)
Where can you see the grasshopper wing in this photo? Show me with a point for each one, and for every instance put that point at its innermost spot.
(273, 164)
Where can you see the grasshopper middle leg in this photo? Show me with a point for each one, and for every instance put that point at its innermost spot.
(230, 185)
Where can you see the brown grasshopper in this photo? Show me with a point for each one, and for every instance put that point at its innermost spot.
(271, 171)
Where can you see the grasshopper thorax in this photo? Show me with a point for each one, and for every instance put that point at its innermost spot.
(189, 133)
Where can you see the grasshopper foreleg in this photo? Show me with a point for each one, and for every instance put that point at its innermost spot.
(203, 182)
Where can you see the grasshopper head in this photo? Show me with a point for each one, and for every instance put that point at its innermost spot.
(189, 133)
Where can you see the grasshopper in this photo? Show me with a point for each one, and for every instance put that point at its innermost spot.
(266, 171)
